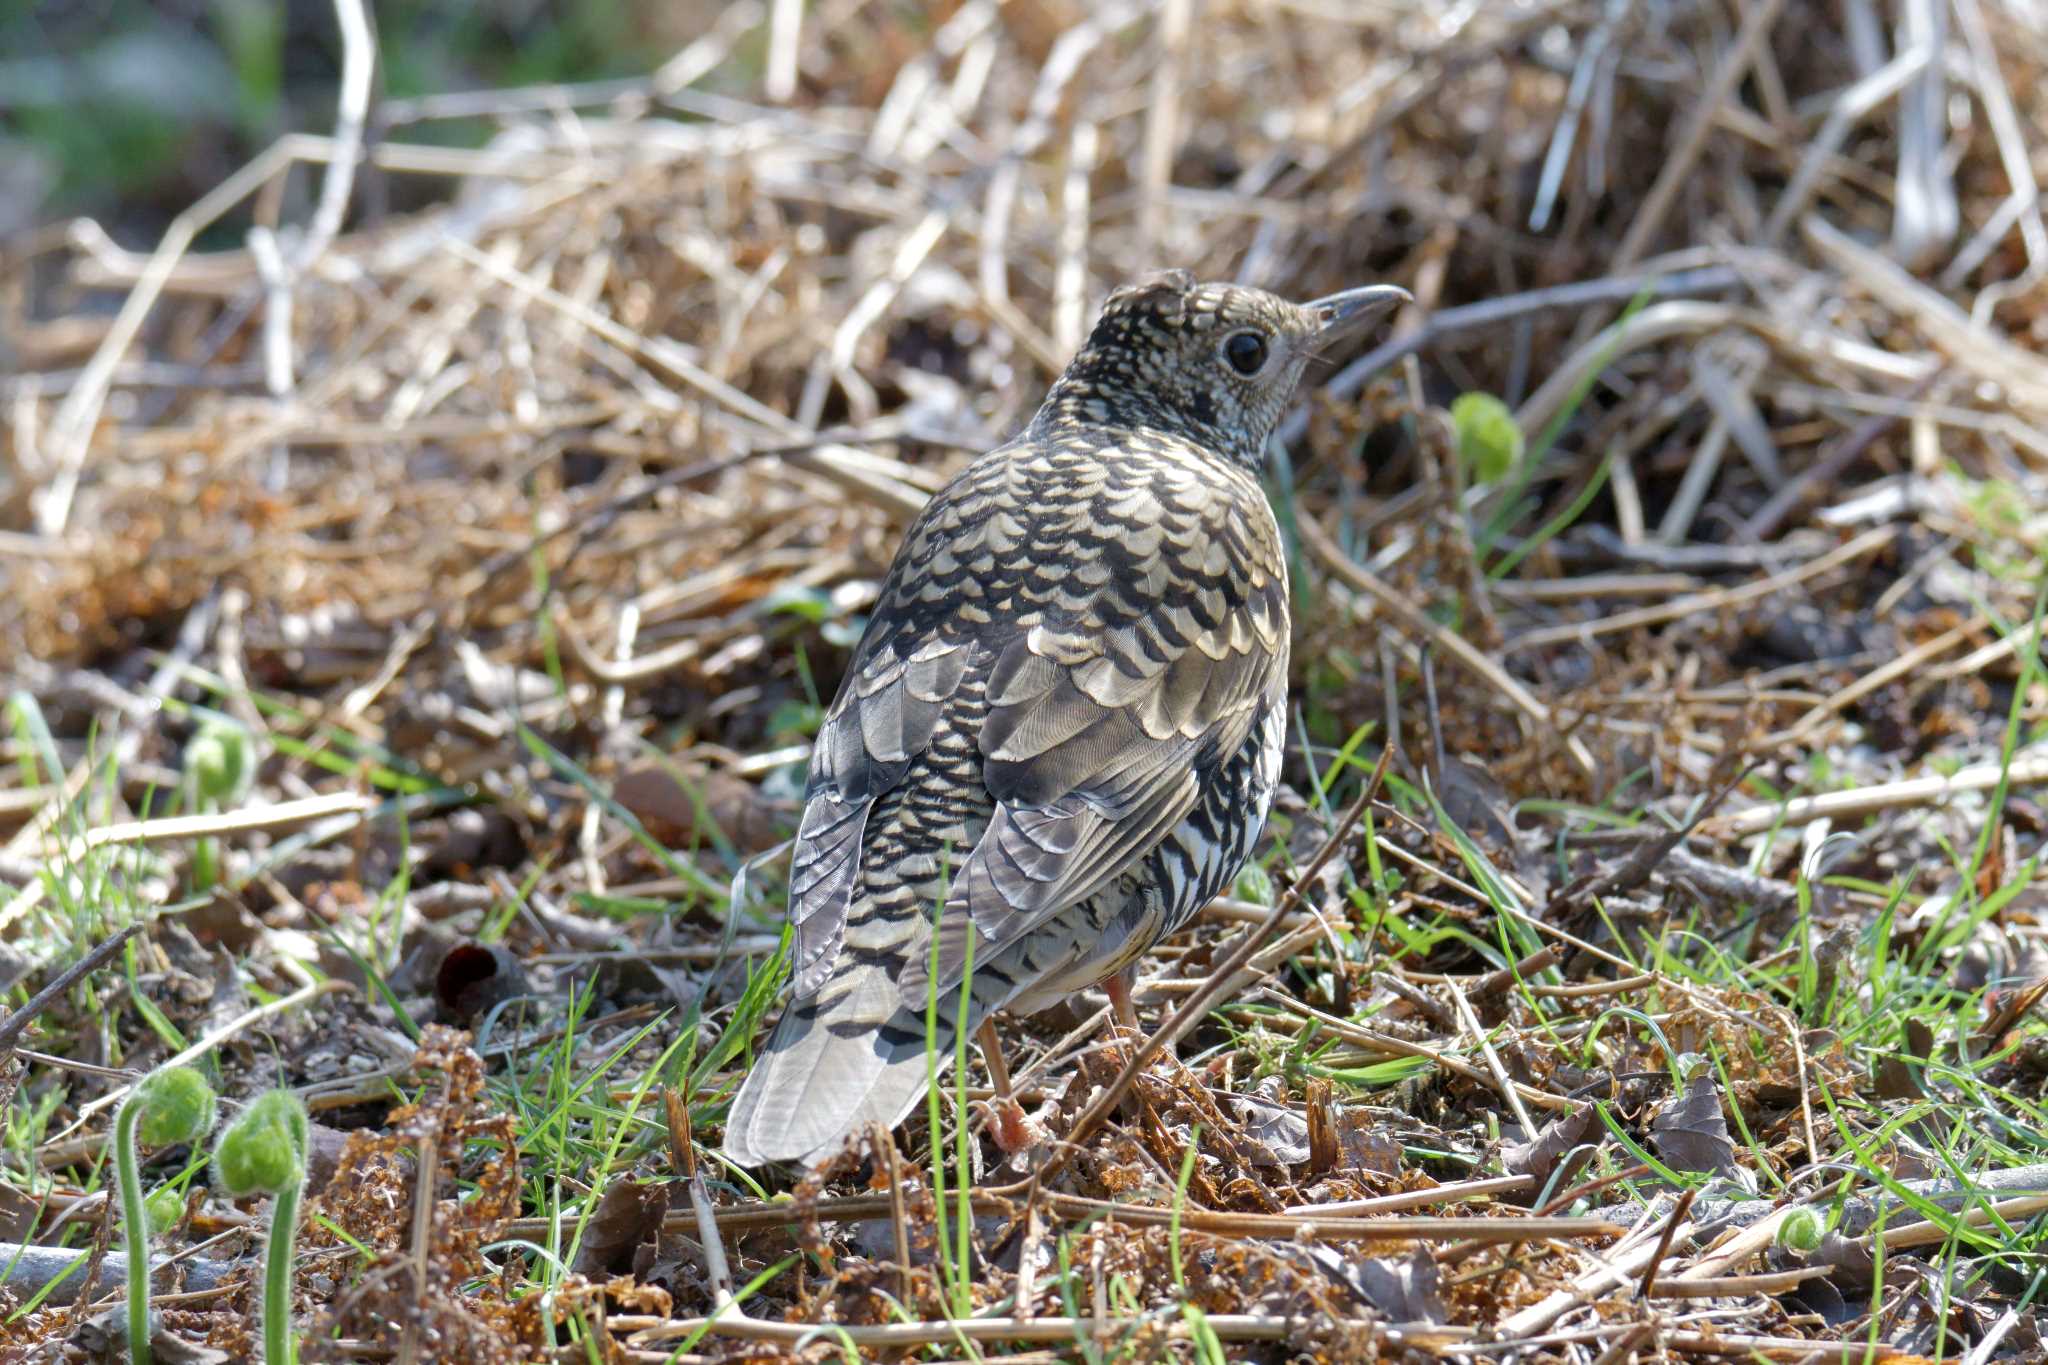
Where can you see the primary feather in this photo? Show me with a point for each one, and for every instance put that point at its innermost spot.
(1061, 731)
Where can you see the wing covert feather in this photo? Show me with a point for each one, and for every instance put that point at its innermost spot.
(1124, 617)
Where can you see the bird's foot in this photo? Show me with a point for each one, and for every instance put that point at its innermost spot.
(1013, 1130)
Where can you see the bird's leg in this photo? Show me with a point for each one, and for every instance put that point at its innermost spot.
(1119, 984)
(992, 1057)
(1007, 1124)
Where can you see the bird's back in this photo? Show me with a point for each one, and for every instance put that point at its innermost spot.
(1113, 552)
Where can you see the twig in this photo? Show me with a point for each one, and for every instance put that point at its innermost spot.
(2022, 205)
(282, 815)
(1391, 1046)
(30, 1268)
(1914, 791)
(1929, 1232)
(421, 1242)
(213, 1038)
(1617, 1266)
(894, 494)
(95, 957)
(785, 37)
(71, 431)
(899, 1220)
(1909, 662)
(1969, 345)
(1070, 280)
(1108, 1330)
(1285, 1226)
(1719, 599)
(1924, 208)
(1456, 1192)
(1847, 110)
(1822, 473)
(726, 1306)
(1162, 124)
(1493, 312)
(1632, 871)
(1648, 1287)
(1501, 1081)
(281, 272)
(1802, 1349)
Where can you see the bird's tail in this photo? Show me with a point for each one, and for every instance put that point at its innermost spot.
(841, 1060)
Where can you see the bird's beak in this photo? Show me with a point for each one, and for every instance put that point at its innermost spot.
(1345, 315)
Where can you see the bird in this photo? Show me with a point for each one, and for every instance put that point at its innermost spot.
(1061, 730)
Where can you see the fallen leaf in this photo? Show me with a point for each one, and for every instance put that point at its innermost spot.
(628, 1214)
(1690, 1132)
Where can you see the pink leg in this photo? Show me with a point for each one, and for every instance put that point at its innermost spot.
(1007, 1124)
(1119, 984)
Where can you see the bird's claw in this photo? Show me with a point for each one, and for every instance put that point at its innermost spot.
(1013, 1130)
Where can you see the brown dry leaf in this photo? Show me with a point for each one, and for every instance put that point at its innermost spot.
(1691, 1133)
(1540, 1156)
(1400, 1289)
(628, 1216)
(1362, 1144)
(682, 806)
(1273, 1133)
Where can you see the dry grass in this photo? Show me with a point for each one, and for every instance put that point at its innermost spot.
(526, 535)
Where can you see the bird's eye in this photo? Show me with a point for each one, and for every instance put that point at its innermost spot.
(1246, 352)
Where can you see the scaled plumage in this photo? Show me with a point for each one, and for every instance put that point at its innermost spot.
(1064, 719)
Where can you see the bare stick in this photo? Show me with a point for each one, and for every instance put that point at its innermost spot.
(1874, 539)
(279, 816)
(71, 431)
(358, 61)
(785, 35)
(95, 958)
(1914, 791)
(1493, 312)
(310, 990)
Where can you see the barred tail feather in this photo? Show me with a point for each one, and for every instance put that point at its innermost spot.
(838, 1062)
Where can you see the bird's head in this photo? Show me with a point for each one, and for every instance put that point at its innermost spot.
(1215, 363)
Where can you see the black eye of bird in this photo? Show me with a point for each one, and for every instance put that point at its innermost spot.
(1246, 353)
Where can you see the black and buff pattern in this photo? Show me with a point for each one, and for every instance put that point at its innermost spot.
(1061, 732)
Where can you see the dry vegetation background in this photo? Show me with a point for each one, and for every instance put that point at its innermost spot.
(525, 532)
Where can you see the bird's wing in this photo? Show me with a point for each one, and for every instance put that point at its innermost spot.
(879, 724)
(934, 617)
(1102, 721)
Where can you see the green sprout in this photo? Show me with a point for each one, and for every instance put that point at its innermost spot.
(264, 1152)
(216, 770)
(162, 1209)
(1800, 1231)
(165, 1108)
(1490, 441)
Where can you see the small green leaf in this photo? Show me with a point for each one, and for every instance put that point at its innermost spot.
(1800, 1231)
(791, 599)
(1489, 439)
(164, 1208)
(795, 720)
(217, 758)
(1254, 884)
